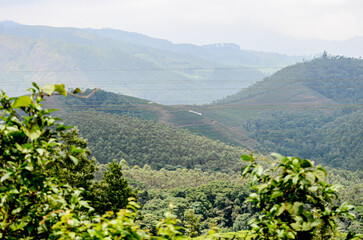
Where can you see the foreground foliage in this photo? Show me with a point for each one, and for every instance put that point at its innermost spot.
(32, 200)
(294, 201)
(35, 202)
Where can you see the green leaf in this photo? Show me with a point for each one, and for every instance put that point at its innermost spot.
(276, 194)
(296, 226)
(351, 216)
(74, 150)
(258, 170)
(316, 222)
(346, 206)
(245, 170)
(320, 175)
(290, 235)
(35, 85)
(23, 101)
(248, 158)
(298, 208)
(296, 163)
(33, 133)
(62, 128)
(5, 176)
(281, 210)
(60, 89)
(278, 156)
(74, 159)
(310, 177)
(306, 163)
(48, 89)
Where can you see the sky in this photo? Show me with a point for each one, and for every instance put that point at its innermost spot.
(198, 21)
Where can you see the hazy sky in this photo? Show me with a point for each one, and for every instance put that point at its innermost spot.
(197, 21)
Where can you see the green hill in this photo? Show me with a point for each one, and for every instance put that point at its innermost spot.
(142, 142)
(320, 80)
(312, 110)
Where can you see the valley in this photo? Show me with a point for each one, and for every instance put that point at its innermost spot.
(172, 120)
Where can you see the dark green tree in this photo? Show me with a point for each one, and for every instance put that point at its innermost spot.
(113, 192)
(81, 175)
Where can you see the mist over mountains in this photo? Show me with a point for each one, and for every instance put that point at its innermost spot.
(129, 63)
(253, 36)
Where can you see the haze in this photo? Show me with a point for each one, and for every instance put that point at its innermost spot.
(262, 25)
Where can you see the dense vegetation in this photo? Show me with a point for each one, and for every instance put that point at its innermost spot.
(294, 200)
(142, 142)
(311, 109)
(332, 139)
(43, 168)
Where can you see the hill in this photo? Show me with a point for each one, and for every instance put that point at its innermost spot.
(306, 109)
(321, 80)
(312, 109)
(142, 142)
(164, 72)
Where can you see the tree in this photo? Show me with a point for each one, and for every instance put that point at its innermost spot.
(192, 223)
(294, 200)
(82, 174)
(113, 191)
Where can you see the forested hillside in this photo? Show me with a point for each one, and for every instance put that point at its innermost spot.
(326, 78)
(142, 142)
(316, 115)
(312, 109)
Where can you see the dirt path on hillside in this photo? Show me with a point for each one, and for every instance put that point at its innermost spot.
(164, 115)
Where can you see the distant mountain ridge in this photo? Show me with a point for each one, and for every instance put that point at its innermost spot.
(128, 63)
(229, 53)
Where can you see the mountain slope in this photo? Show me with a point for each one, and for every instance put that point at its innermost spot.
(74, 56)
(336, 78)
(142, 142)
(310, 109)
(227, 53)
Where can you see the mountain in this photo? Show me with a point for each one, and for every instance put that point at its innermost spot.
(312, 110)
(228, 53)
(151, 69)
(335, 79)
